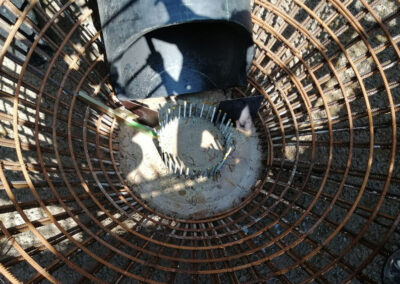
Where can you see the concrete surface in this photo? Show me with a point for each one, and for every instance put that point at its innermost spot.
(147, 175)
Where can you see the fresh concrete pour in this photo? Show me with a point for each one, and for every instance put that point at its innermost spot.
(197, 143)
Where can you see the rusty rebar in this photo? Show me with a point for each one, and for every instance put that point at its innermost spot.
(325, 209)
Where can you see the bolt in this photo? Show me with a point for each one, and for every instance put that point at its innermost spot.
(176, 168)
(226, 127)
(228, 140)
(167, 115)
(227, 153)
(201, 112)
(213, 170)
(208, 112)
(184, 109)
(209, 171)
(213, 114)
(224, 160)
(222, 121)
(218, 116)
(219, 167)
(190, 110)
(169, 163)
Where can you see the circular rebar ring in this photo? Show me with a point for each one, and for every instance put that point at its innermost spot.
(326, 208)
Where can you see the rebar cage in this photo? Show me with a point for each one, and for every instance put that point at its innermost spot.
(326, 208)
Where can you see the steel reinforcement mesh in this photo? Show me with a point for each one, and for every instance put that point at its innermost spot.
(326, 208)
